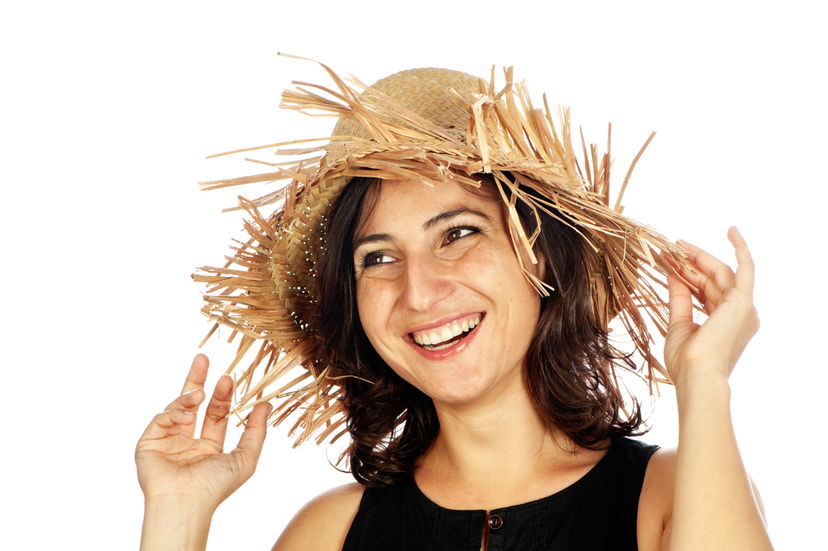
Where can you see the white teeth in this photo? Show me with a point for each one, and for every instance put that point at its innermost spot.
(447, 331)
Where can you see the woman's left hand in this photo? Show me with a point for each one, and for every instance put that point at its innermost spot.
(713, 347)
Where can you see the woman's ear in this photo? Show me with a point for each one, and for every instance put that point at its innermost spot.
(540, 267)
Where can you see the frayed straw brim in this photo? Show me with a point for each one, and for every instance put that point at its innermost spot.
(266, 292)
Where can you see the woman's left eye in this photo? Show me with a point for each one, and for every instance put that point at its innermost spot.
(461, 231)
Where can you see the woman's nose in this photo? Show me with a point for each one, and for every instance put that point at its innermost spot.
(426, 282)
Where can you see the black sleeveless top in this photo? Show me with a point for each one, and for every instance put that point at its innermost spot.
(597, 512)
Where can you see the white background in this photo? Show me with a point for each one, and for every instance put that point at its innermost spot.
(108, 110)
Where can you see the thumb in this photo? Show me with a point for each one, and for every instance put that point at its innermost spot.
(252, 439)
(681, 301)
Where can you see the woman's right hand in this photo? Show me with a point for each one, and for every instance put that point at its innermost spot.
(174, 465)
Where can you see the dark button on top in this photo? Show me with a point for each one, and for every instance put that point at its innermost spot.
(495, 522)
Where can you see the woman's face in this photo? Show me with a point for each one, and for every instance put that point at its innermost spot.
(440, 293)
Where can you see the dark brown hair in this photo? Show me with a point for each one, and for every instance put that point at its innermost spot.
(569, 364)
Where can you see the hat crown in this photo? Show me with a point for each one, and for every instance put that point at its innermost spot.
(425, 91)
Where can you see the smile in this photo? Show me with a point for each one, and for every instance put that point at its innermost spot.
(437, 343)
(445, 335)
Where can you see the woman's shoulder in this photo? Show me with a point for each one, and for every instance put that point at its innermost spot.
(655, 507)
(660, 475)
(323, 523)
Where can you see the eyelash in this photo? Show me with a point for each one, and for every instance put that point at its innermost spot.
(365, 259)
(472, 229)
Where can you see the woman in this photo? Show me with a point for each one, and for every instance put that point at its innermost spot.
(446, 274)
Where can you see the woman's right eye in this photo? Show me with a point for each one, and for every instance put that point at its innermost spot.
(375, 259)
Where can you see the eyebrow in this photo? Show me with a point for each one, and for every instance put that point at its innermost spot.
(427, 225)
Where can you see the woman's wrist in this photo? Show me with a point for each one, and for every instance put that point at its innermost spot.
(180, 500)
(175, 522)
(703, 399)
(694, 380)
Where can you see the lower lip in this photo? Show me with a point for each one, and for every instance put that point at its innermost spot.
(436, 355)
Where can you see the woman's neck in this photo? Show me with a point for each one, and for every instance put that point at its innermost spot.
(500, 437)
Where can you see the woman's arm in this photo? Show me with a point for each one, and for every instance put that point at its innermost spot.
(713, 505)
(184, 479)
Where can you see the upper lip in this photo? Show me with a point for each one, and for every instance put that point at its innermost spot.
(442, 321)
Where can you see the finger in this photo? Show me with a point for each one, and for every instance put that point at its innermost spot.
(692, 278)
(687, 274)
(189, 397)
(713, 276)
(745, 267)
(197, 374)
(168, 423)
(674, 264)
(215, 419)
(680, 304)
(187, 401)
(252, 439)
(697, 283)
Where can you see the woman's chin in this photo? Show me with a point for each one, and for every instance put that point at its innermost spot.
(459, 391)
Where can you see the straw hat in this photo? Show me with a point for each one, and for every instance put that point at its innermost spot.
(424, 125)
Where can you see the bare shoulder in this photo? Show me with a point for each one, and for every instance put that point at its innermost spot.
(323, 523)
(655, 506)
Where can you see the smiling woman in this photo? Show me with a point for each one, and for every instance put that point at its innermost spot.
(424, 277)
(444, 270)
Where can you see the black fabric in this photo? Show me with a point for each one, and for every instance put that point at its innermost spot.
(597, 512)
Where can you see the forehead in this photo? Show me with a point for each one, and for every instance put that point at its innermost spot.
(394, 202)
